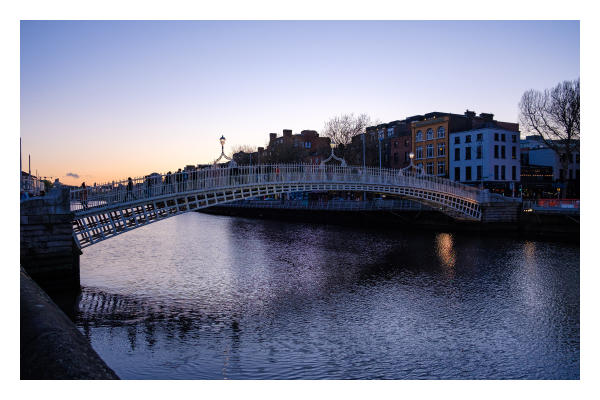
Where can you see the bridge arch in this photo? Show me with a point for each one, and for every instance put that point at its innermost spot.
(104, 211)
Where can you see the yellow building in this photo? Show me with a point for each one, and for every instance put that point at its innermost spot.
(430, 144)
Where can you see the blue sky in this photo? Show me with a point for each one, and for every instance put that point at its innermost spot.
(119, 98)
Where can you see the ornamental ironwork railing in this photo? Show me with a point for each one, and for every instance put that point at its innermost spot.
(157, 186)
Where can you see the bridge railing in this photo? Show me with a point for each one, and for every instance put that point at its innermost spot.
(166, 185)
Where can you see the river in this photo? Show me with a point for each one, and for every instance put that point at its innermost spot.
(211, 297)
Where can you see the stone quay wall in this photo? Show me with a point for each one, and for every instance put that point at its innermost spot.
(48, 252)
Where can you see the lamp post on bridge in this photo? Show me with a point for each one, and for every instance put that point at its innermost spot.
(333, 146)
(413, 166)
(231, 161)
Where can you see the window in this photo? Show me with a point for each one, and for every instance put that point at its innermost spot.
(467, 173)
(419, 136)
(308, 145)
(480, 137)
(406, 143)
(468, 139)
(441, 167)
(441, 132)
(577, 159)
(570, 174)
(514, 172)
(456, 154)
(468, 153)
(419, 152)
(396, 143)
(429, 168)
(495, 151)
(295, 142)
(577, 174)
(479, 152)
(514, 138)
(503, 172)
(457, 173)
(441, 149)
(456, 139)
(514, 152)
(429, 134)
(429, 150)
(406, 156)
(479, 172)
(396, 157)
(503, 152)
(503, 137)
(495, 137)
(496, 172)
(571, 158)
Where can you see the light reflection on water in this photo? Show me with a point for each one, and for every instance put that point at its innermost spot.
(208, 297)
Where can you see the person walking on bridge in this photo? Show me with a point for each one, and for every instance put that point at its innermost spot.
(83, 196)
(129, 189)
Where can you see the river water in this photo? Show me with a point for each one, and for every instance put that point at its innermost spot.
(211, 297)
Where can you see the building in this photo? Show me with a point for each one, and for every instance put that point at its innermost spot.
(307, 140)
(431, 133)
(396, 142)
(536, 154)
(488, 155)
(31, 183)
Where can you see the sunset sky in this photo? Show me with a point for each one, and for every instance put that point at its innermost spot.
(103, 100)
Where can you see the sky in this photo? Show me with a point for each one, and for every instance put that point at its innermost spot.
(104, 100)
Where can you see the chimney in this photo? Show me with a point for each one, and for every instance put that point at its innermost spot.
(287, 133)
(487, 117)
(272, 137)
(470, 114)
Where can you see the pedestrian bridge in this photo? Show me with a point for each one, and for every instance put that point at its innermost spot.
(107, 210)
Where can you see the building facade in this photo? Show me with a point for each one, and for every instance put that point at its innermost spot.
(431, 137)
(488, 156)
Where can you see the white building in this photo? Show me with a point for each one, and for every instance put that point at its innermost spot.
(31, 183)
(548, 157)
(541, 154)
(488, 154)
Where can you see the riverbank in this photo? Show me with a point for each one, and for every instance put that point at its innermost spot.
(51, 346)
(528, 225)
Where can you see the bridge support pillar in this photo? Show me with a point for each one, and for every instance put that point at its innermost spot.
(48, 251)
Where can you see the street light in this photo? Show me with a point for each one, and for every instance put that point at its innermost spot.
(380, 140)
(480, 143)
(333, 146)
(232, 163)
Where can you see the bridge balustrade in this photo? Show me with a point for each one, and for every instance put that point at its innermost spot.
(159, 186)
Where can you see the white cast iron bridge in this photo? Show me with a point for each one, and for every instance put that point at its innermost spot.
(104, 211)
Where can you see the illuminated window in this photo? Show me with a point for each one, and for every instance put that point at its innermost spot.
(441, 167)
(441, 149)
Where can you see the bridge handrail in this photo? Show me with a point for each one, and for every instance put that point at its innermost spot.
(157, 186)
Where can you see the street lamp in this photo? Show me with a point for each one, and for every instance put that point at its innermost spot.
(333, 146)
(380, 140)
(412, 166)
(232, 162)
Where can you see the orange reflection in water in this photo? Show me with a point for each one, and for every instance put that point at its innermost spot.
(446, 253)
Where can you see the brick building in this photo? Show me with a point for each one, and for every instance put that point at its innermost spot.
(431, 133)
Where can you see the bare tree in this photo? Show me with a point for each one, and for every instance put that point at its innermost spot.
(341, 129)
(554, 116)
(246, 148)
